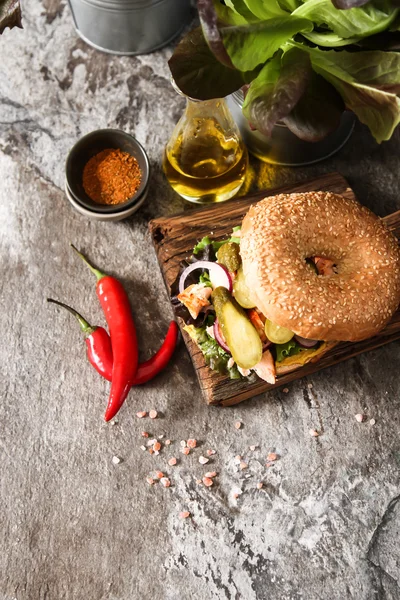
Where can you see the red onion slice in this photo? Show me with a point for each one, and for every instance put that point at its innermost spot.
(219, 337)
(305, 342)
(266, 345)
(219, 276)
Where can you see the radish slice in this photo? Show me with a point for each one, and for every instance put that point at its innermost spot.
(219, 276)
(305, 342)
(219, 337)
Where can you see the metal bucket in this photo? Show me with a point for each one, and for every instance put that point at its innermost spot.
(129, 26)
(283, 147)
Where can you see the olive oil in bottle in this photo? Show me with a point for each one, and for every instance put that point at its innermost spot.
(205, 160)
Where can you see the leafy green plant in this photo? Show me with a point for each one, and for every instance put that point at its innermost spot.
(10, 14)
(302, 62)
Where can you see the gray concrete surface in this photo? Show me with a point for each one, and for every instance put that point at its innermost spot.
(73, 525)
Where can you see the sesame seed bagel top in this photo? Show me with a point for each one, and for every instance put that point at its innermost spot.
(278, 235)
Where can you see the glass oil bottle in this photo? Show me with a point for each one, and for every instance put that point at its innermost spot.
(205, 160)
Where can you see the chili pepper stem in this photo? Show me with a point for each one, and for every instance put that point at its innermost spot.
(95, 271)
(84, 325)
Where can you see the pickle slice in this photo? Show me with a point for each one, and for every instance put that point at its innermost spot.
(277, 334)
(241, 290)
(229, 256)
(239, 333)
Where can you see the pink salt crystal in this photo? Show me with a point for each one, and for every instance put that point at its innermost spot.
(272, 457)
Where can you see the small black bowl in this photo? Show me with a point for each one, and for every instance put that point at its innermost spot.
(90, 145)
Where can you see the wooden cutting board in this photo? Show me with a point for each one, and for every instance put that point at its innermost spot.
(174, 238)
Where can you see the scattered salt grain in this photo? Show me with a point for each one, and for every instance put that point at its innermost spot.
(372, 422)
(145, 434)
(172, 461)
(167, 442)
(165, 481)
(238, 424)
(272, 456)
(285, 390)
(151, 451)
(114, 422)
(184, 514)
(141, 414)
(183, 443)
(210, 474)
(211, 452)
(143, 448)
(159, 474)
(208, 482)
(259, 485)
(150, 480)
(252, 448)
(185, 451)
(243, 465)
(192, 444)
(151, 442)
(359, 417)
(198, 481)
(313, 433)
(203, 460)
(156, 446)
(153, 414)
(116, 460)
(310, 386)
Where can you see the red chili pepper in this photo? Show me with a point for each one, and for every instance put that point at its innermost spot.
(100, 356)
(98, 343)
(117, 311)
(150, 368)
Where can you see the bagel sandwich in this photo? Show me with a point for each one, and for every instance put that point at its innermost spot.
(303, 272)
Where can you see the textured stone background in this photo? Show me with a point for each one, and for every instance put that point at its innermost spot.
(75, 526)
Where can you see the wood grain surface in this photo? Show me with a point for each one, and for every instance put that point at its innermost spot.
(174, 238)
